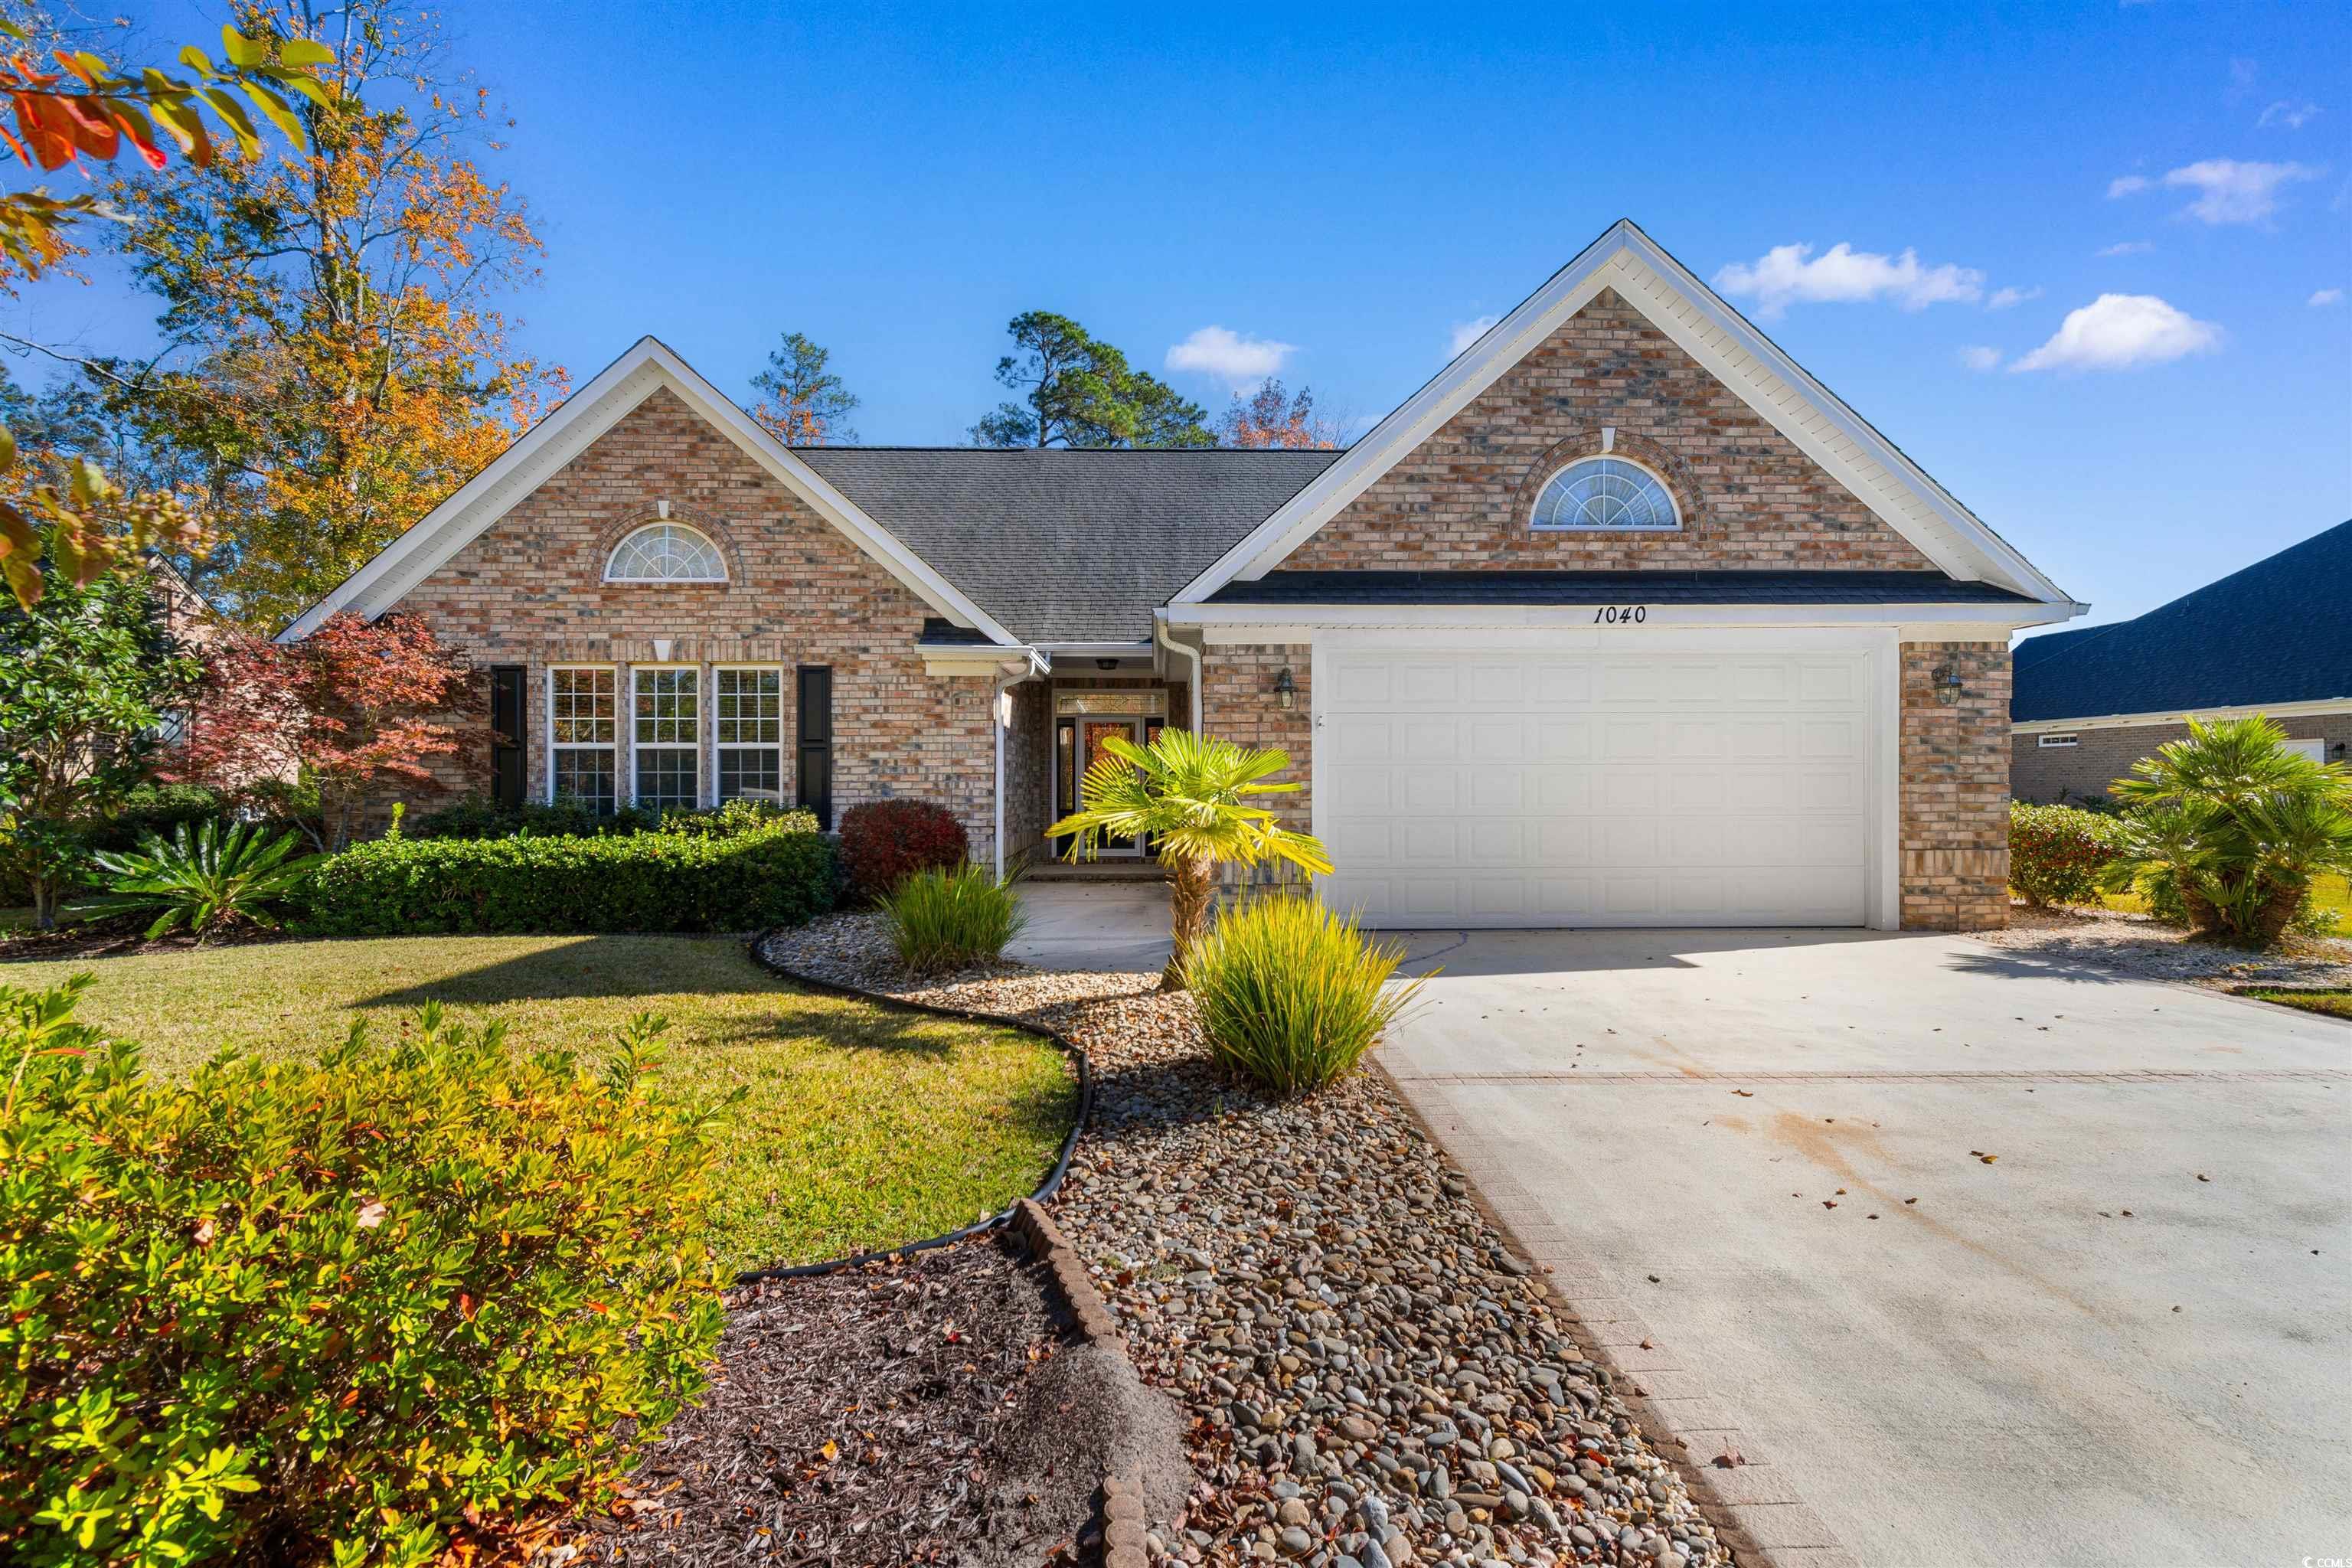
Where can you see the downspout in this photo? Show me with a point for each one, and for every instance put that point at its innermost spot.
(1193, 656)
(997, 720)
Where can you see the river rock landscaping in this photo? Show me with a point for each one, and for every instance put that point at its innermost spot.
(1371, 1377)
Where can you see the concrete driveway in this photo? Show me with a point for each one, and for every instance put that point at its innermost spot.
(2006, 1369)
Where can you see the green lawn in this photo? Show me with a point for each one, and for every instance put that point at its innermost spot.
(2335, 1004)
(864, 1128)
(2327, 892)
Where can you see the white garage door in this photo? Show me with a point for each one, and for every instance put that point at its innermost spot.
(1610, 786)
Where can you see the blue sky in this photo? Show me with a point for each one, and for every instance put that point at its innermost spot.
(1359, 183)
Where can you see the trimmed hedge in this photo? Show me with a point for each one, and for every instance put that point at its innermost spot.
(781, 874)
(883, 842)
(402, 1302)
(2056, 852)
(476, 817)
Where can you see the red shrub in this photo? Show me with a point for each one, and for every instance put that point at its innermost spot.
(885, 840)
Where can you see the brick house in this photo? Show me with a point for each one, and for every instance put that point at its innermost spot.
(1622, 619)
(2274, 639)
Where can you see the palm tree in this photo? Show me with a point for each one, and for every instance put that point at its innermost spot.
(2239, 822)
(1184, 792)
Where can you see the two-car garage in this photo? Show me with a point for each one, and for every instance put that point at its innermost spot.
(1636, 777)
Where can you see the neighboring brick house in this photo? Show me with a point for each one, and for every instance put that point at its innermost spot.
(1622, 619)
(2275, 639)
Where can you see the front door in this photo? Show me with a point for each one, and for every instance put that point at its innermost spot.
(1093, 732)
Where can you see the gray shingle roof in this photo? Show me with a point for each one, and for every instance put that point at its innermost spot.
(1067, 546)
(1728, 587)
(2279, 631)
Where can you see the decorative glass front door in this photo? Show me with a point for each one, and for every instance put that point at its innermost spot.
(1092, 732)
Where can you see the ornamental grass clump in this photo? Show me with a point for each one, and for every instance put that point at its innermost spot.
(942, 919)
(397, 1306)
(1291, 994)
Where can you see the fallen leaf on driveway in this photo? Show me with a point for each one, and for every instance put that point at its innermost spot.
(2203, 1177)
(1745, 1093)
(1828, 1203)
(1729, 1458)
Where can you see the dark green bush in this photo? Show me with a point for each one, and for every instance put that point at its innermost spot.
(2057, 852)
(365, 1310)
(778, 874)
(476, 817)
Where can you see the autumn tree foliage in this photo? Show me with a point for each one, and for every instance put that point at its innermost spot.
(72, 109)
(339, 363)
(1076, 390)
(802, 403)
(324, 728)
(1274, 416)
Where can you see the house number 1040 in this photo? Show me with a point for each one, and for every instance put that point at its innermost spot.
(1620, 614)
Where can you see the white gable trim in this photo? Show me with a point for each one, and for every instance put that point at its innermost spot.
(648, 366)
(1723, 343)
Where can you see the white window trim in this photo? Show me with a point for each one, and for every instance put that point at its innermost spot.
(783, 713)
(1611, 456)
(2053, 743)
(613, 747)
(622, 544)
(697, 746)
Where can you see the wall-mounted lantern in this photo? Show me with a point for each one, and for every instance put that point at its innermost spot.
(1285, 690)
(1948, 684)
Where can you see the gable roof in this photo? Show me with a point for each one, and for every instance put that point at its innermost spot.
(2278, 632)
(648, 366)
(1067, 545)
(1723, 342)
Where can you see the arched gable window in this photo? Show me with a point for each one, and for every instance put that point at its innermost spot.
(666, 553)
(1606, 495)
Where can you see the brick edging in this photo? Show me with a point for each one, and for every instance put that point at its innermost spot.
(1720, 1513)
(1120, 1509)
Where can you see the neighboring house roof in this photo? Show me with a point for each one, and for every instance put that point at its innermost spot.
(1063, 545)
(1722, 340)
(2278, 632)
(1710, 587)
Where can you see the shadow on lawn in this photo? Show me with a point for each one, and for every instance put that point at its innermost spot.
(625, 968)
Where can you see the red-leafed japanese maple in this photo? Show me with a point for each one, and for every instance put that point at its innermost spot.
(323, 729)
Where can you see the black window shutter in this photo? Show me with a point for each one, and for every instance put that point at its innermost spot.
(814, 769)
(506, 735)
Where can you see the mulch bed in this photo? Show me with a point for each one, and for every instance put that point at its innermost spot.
(119, 936)
(871, 1417)
(1368, 1377)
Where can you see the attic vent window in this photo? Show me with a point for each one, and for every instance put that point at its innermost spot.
(2048, 741)
(1605, 495)
(666, 553)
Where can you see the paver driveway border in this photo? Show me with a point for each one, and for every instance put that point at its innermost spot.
(1751, 1505)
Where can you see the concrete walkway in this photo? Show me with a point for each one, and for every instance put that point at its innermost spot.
(2127, 1340)
(1121, 927)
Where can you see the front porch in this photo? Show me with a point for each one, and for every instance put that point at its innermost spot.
(1058, 725)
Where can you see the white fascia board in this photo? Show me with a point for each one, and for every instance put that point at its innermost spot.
(1746, 360)
(2315, 708)
(1978, 621)
(617, 389)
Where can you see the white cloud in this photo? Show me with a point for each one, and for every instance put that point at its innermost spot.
(1230, 356)
(2327, 296)
(2128, 248)
(2285, 111)
(2228, 190)
(2121, 331)
(1783, 276)
(2002, 298)
(1468, 332)
(1975, 356)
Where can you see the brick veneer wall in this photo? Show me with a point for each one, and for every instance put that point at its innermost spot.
(1749, 496)
(1955, 790)
(1027, 780)
(2041, 772)
(1238, 704)
(529, 591)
